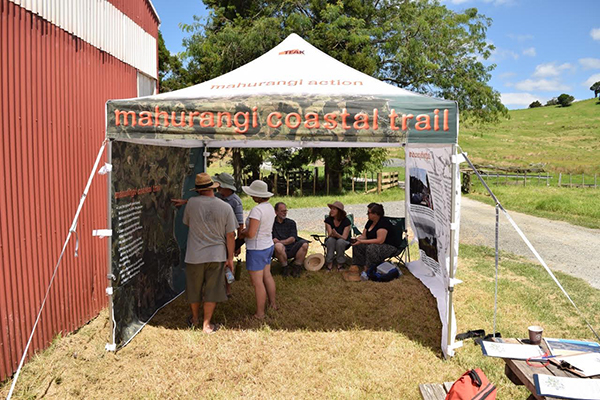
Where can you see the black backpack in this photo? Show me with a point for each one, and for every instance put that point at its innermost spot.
(373, 275)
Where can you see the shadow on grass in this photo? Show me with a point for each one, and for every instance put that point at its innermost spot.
(322, 302)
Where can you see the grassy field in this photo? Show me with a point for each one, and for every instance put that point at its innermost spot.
(330, 339)
(563, 139)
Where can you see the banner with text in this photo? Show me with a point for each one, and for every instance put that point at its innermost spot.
(372, 119)
(148, 241)
(429, 193)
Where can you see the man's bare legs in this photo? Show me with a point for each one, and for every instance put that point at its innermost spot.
(195, 313)
(209, 308)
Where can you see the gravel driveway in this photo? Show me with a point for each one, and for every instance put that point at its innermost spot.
(564, 247)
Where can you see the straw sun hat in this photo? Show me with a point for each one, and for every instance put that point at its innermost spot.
(314, 262)
(337, 204)
(204, 182)
(257, 189)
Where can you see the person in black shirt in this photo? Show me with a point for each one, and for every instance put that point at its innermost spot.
(288, 244)
(377, 242)
(338, 235)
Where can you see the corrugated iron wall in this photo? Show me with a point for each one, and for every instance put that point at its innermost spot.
(53, 87)
(119, 28)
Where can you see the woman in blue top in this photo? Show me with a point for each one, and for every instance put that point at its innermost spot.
(377, 242)
(338, 228)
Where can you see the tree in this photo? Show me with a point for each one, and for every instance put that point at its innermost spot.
(552, 102)
(535, 104)
(596, 89)
(418, 45)
(565, 100)
(171, 73)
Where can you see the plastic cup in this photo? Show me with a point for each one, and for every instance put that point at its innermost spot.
(535, 334)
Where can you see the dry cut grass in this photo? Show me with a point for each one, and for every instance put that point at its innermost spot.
(329, 339)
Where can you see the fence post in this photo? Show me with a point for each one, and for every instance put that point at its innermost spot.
(352, 183)
(315, 178)
(570, 181)
(559, 179)
(582, 180)
(525, 179)
(287, 183)
(327, 179)
(301, 180)
(275, 184)
(547, 179)
(366, 185)
(379, 177)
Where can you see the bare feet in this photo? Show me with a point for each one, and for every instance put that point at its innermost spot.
(274, 306)
(329, 266)
(210, 328)
(258, 317)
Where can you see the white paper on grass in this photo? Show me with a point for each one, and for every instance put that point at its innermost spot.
(567, 388)
(511, 350)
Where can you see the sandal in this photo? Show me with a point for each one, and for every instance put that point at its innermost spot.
(329, 267)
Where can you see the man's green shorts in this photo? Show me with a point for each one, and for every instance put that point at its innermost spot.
(205, 282)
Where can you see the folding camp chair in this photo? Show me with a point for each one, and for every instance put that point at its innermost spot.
(402, 253)
(354, 231)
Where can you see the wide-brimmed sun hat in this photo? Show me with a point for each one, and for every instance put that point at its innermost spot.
(336, 204)
(204, 182)
(314, 262)
(352, 275)
(257, 188)
(225, 180)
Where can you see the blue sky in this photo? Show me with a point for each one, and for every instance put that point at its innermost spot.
(543, 47)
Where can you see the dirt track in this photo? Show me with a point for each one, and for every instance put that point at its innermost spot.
(564, 247)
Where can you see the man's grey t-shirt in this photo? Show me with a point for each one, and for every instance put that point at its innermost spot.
(209, 220)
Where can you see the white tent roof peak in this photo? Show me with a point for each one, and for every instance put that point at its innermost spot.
(295, 67)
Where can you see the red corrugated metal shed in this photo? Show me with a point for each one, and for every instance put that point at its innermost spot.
(53, 87)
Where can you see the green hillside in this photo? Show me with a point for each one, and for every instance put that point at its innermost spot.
(565, 139)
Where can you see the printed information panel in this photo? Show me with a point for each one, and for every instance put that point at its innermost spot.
(147, 245)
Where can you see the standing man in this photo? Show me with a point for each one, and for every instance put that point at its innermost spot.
(210, 247)
(287, 243)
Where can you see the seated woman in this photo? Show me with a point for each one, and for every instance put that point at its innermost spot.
(338, 235)
(377, 241)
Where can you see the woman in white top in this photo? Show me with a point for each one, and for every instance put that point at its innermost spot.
(259, 246)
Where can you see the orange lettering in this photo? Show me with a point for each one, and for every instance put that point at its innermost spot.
(288, 123)
(423, 123)
(330, 122)
(270, 117)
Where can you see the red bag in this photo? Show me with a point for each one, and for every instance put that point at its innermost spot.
(473, 385)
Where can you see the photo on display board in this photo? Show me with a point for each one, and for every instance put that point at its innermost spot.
(420, 191)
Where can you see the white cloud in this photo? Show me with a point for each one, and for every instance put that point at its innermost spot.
(550, 69)
(507, 75)
(591, 80)
(502, 54)
(590, 63)
(520, 99)
(595, 33)
(530, 52)
(520, 38)
(541, 84)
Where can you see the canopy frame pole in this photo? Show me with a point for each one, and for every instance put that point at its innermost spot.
(528, 243)
(496, 288)
(453, 246)
(110, 276)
